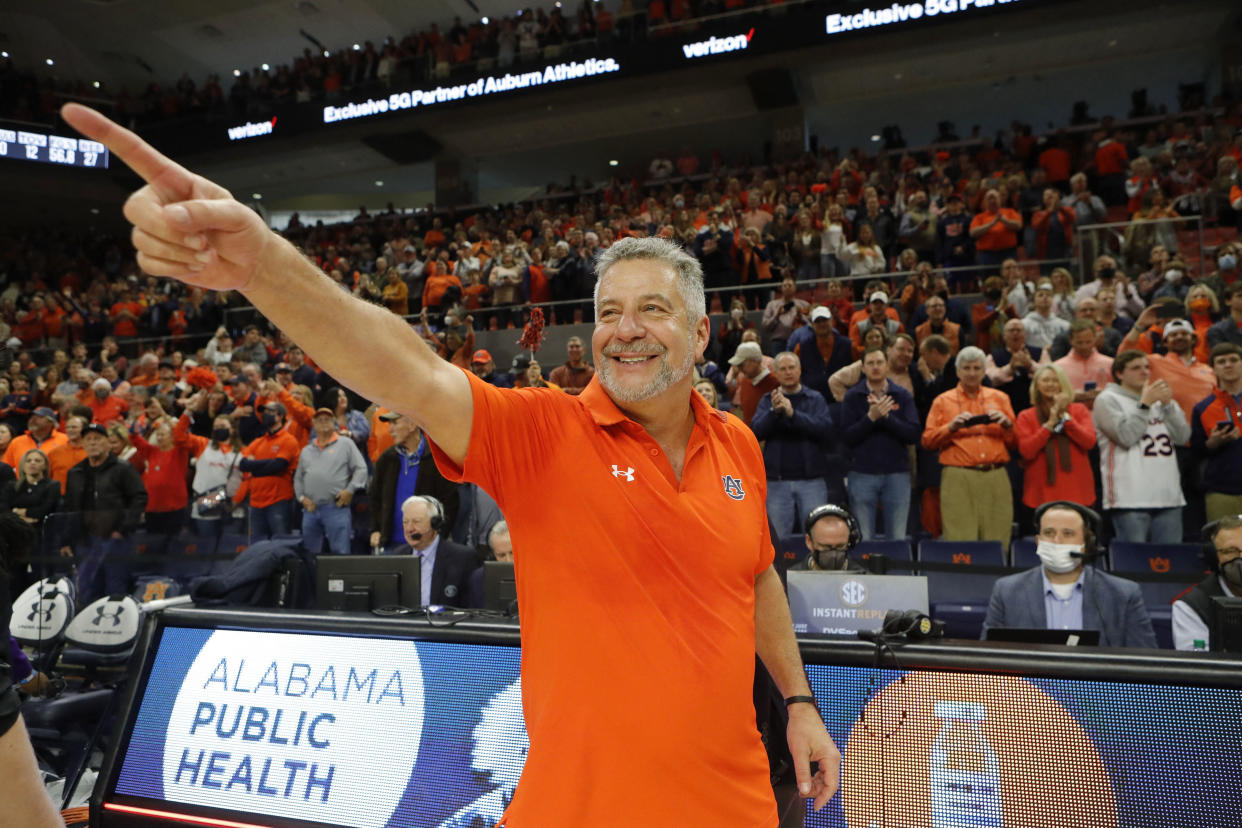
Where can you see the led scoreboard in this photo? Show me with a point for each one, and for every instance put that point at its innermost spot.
(52, 149)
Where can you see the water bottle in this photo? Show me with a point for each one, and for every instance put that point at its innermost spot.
(965, 775)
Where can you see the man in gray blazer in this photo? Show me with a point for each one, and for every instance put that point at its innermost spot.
(1063, 593)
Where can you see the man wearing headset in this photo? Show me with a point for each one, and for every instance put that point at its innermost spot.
(446, 566)
(1064, 593)
(832, 532)
(1192, 611)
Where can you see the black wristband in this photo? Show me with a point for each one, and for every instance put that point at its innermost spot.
(801, 699)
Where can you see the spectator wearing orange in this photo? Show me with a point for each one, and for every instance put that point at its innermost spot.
(62, 458)
(991, 315)
(167, 461)
(995, 231)
(1054, 437)
(938, 324)
(1110, 163)
(439, 280)
(1054, 227)
(1190, 379)
(1141, 180)
(434, 237)
(268, 463)
(575, 373)
(1202, 309)
(751, 257)
(125, 315)
(396, 294)
(972, 428)
(1055, 162)
(878, 315)
(41, 433)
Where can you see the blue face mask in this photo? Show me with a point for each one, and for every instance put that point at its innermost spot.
(1227, 262)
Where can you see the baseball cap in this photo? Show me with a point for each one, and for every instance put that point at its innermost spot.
(745, 351)
(1044, 286)
(323, 410)
(43, 411)
(481, 356)
(390, 416)
(879, 296)
(820, 312)
(1178, 325)
(283, 366)
(94, 428)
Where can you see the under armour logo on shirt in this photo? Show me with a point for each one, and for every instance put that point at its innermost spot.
(627, 473)
(733, 487)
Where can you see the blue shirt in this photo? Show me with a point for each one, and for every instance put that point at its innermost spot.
(407, 481)
(1063, 614)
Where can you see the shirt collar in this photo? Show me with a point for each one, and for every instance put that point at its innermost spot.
(605, 412)
(430, 552)
(1078, 585)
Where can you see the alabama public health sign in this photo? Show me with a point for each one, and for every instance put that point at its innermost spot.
(343, 730)
(254, 728)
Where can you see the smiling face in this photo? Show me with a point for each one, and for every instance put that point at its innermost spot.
(644, 344)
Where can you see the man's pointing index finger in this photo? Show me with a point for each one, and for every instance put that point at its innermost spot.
(169, 178)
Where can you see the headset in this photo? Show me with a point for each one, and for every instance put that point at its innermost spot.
(1091, 521)
(1209, 532)
(437, 512)
(833, 510)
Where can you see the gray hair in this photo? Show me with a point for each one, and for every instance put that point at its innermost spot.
(499, 528)
(787, 354)
(689, 271)
(969, 354)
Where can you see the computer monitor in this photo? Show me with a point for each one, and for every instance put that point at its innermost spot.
(1227, 624)
(1042, 635)
(361, 583)
(499, 586)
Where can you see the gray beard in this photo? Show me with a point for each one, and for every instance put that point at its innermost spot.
(666, 377)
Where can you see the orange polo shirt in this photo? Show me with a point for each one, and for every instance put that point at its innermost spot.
(61, 458)
(998, 237)
(659, 612)
(23, 443)
(1190, 383)
(974, 446)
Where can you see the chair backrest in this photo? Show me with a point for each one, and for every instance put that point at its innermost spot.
(1160, 558)
(964, 587)
(898, 551)
(793, 548)
(1022, 553)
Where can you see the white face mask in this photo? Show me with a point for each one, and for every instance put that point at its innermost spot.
(1057, 557)
(1172, 275)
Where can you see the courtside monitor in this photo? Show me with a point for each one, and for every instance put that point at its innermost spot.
(499, 587)
(1227, 624)
(362, 583)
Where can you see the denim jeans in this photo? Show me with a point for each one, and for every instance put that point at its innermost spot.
(891, 490)
(100, 571)
(790, 501)
(327, 521)
(1134, 525)
(271, 521)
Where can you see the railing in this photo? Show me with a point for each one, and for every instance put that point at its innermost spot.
(1131, 242)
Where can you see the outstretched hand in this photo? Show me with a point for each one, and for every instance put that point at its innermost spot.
(185, 226)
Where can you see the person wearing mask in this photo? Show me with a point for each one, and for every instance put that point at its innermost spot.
(1193, 610)
(1139, 426)
(831, 533)
(1126, 297)
(1226, 272)
(1054, 435)
(990, 316)
(106, 498)
(330, 469)
(879, 423)
(1063, 593)
(268, 463)
(215, 466)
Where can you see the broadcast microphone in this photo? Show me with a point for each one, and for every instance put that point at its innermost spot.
(1086, 556)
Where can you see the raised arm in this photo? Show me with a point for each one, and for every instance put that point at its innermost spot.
(193, 230)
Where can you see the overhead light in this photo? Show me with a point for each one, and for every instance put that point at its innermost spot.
(357, 48)
(94, 211)
(379, 183)
(4, 54)
(484, 21)
(326, 53)
(875, 138)
(237, 73)
(257, 196)
(265, 67)
(50, 62)
(96, 84)
(613, 163)
(558, 3)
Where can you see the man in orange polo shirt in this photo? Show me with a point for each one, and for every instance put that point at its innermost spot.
(41, 433)
(972, 428)
(679, 599)
(268, 463)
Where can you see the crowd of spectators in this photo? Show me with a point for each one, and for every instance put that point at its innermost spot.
(327, 72)
(851, 344)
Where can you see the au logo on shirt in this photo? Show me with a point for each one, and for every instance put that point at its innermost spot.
(733, 487)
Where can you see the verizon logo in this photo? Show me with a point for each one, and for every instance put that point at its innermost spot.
(237, 133)
(717, 45)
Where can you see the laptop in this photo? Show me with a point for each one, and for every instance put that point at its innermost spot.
(1037, 635)
(842, 603)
